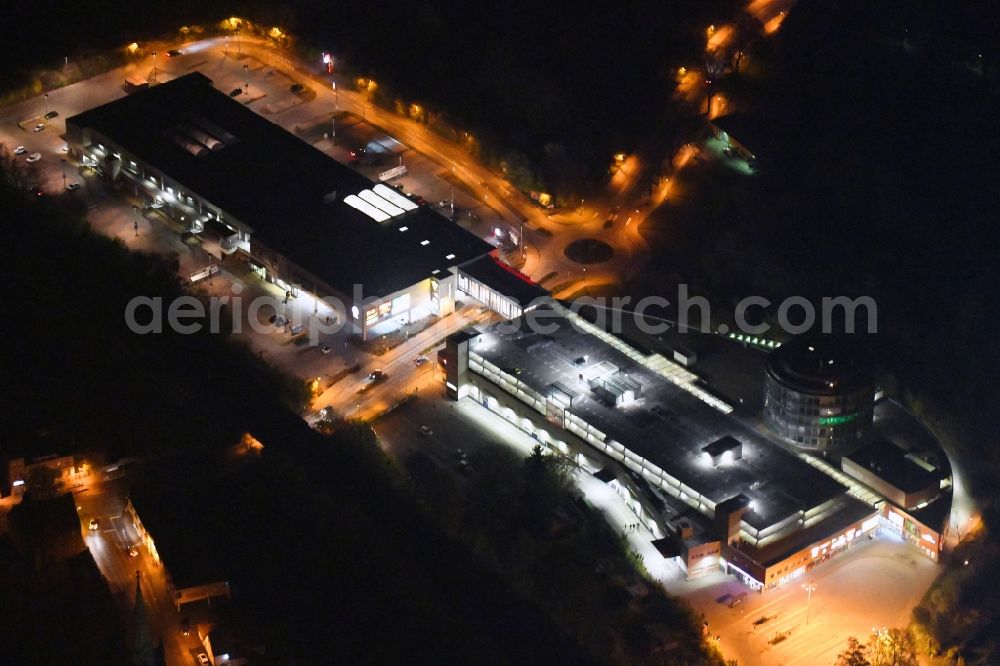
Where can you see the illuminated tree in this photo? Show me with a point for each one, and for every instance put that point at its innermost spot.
(891, 647)
(854, 655)
(885, 647)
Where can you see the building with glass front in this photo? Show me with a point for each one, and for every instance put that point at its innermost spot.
(819, 393)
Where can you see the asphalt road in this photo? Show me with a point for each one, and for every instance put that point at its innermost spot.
(109, 547)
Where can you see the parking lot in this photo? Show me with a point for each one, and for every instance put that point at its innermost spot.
(875, 584)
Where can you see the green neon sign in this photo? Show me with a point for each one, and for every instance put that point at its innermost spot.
(837, 420)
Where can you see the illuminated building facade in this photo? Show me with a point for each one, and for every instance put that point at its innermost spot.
(759, 512)
(293, 215)
(819, 394)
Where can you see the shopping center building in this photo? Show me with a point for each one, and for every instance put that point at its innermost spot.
(297, 217)
(723, 492)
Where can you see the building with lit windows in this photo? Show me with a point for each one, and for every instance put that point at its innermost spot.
(294, 215)
(69, 472)
(726, 495)
(819, 393)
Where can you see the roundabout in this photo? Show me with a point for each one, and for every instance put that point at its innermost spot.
(589, 251)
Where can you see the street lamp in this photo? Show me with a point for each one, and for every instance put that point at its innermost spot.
(63, 161)
(46, 96)
(246, 79)
(135, 220)
(808, 587)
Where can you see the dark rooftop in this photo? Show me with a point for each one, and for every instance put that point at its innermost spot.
(289, 193)
(174, 514)
(666, 425)
(889, 462)
(504, 279)
(40, 519)
(821, 365)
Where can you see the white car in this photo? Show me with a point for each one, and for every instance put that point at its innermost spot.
(39, 127)
(203, 659)
(33, 157)
(425, 431)
(20, 150)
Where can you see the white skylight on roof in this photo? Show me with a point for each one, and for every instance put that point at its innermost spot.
(371, 211)
(425, 242)
(403, 228)
(449, 256)
(381, 203)
(394, 197)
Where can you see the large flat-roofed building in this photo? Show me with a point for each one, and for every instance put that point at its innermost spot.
(298, 217)
(774, 514)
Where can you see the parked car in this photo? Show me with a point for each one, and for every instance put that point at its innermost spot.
(94, 524)
(420, 360)
(203, 659)
(51, 114)
(39, 127)
(33, 157)
(73, 187)
(325, 349)
(425, 431)
(173, 53)
(297, 87)
(376, 375)
(20, 150)
(236, 92)
(133, 551)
